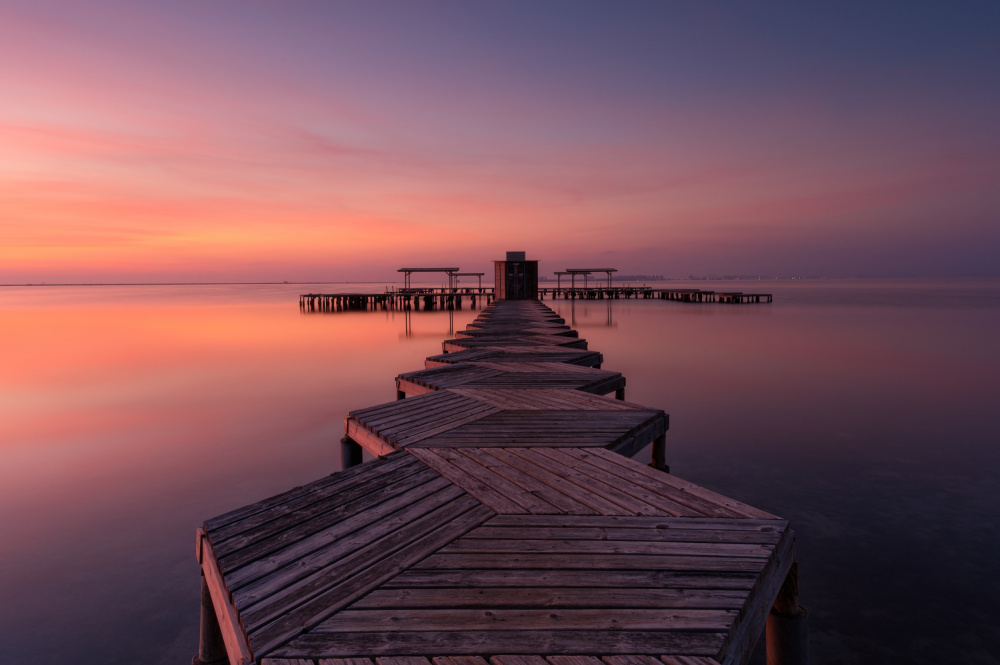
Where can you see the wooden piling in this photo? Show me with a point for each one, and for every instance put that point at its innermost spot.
(351, 453)
(787, 631)
(211, 646)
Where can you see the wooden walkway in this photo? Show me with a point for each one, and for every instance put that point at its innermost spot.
(518, 354)
(504, 523)
(511, 375)
(452, 298)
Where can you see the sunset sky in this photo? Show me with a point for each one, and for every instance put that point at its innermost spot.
(269, 141)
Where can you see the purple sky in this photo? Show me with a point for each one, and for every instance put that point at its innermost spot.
(163, 141)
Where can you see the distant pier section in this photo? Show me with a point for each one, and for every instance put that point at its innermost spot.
(453, 295)
(407, 297)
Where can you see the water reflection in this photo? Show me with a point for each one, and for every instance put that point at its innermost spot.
(865, 413)
(441, 335)
(130, 416)
(590, 312)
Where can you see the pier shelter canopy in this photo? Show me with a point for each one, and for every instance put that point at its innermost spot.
(407, 271)
(479, 275)
(587, 271)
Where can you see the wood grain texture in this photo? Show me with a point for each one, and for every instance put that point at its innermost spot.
(574, 660)
(304, 606)
(630, 660)
(528, 642)
(510, 659)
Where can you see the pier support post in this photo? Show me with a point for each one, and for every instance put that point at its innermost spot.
(211, 647)
(620, 394)
(400, 395)
(350, 453)
(788, 625)
(660, 454)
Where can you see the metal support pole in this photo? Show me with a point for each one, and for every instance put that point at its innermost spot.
(211, 647)
(788, 625)
(350, 453)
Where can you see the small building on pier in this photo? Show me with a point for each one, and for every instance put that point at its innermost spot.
(516, 278)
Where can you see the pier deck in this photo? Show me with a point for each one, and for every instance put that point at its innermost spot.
(515, 354)
(494, 553)
(500, 524)
(450, 345)
(462, 417)
(511, 375)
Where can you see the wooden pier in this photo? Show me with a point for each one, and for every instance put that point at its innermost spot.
(502, 523)
(453, 298)
(405, 298)
(648, 292)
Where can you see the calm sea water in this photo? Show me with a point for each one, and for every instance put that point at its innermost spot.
(864, 411)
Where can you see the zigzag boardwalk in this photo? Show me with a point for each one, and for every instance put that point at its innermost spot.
(504, 521)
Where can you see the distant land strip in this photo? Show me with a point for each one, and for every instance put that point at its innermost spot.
(201, 283)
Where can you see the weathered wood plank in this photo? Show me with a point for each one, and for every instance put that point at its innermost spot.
(690, 489)
(564, 504)
(510, 659)
(458, 660)
(555, 463)
(238, 533)
(552, 597)
(467, 418)
(543, 576)
(518, 354)
(410, 420)
(436, 619)
(426, 403)
(304, 606)
(631, 521)
(489, 496)
(762, 535)
(285, 567)
(653, 481)
(234, 521)
(609, 547)
(510, 641)
(402, 660)
(574, 660)
(631, 660)
(580, 462)
(516, 493)
(258, 543)
(556, 482)
(617, 562)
